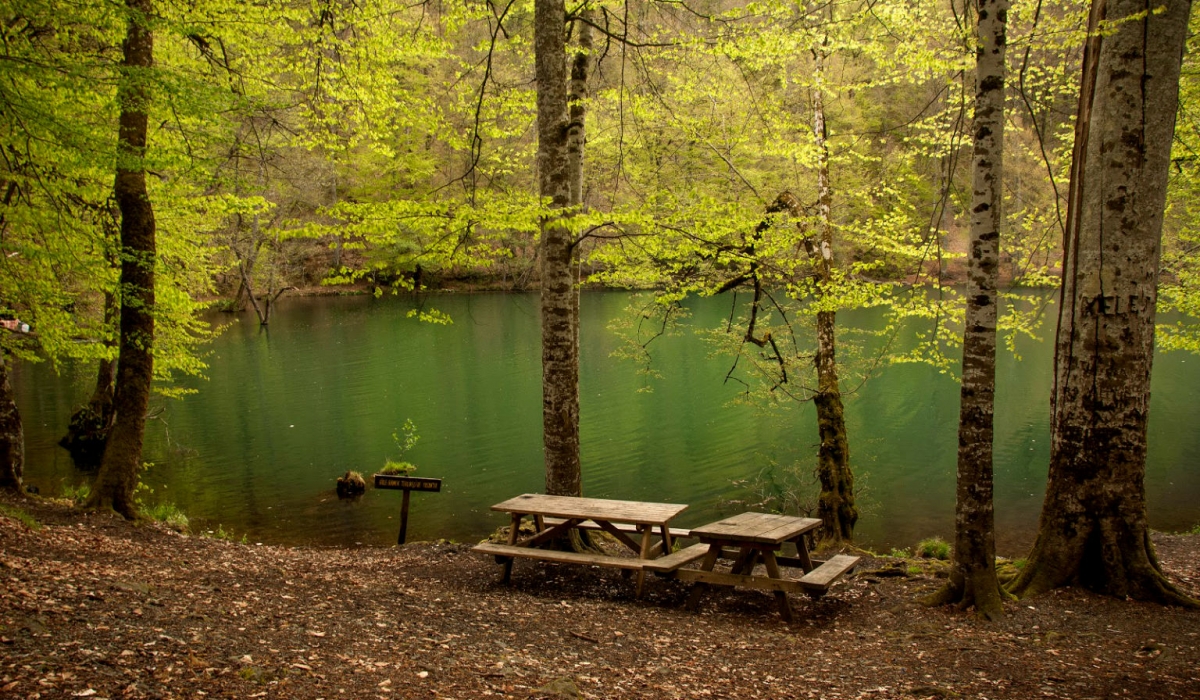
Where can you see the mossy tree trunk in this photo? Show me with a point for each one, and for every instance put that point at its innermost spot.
(1093, 528)
(559, 296)
(118, 477)
(835, 505)
(972, 580)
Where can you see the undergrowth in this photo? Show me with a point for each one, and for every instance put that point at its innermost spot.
(933, 548)
(21, 516)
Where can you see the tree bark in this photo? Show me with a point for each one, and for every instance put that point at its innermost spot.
(972, 579)
(835, 505)
(1093, 528)
(12, 434)
(559, 297)
(118, 476)
(577, 105)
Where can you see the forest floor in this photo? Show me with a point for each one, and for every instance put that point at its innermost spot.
(92, 606)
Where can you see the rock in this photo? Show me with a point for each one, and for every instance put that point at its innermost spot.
(559, 689)
(351, 485)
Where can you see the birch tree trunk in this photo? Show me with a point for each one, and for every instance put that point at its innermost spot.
(1093, 528)
(972, 578)
(559, 297)
(118, 476)
(12, 433)
(835, 505)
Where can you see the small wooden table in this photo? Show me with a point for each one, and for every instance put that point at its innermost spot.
(555, 516)
(757, 537)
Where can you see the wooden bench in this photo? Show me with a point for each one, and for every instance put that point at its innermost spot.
(676, 560)
(818, 581)
(504, 552)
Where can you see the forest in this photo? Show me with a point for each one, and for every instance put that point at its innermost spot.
(160, 158)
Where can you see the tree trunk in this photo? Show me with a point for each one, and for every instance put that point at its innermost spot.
(118, 476)
(1093, 528)
(835, 505)
(560, 299)
(87, 432)
(12, 434)
(972, 578)
(577, 105)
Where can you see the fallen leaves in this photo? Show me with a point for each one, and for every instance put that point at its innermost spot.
(235, 621)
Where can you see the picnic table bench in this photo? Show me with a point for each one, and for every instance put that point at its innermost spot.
(748, 538)
(745, 539)
(555, 516)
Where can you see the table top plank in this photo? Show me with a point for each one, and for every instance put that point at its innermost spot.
(637, 512)
(759, 528)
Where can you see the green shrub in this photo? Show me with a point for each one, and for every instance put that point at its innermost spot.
(900, 553)
(168, 514)
(933, 548)
(76, 494)
(398, 466)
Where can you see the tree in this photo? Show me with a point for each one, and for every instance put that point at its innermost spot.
(118, 476)
(12, 433)
(559, 296)
(1093, 528)
(87, 432)
(973, 576)
(835, 503)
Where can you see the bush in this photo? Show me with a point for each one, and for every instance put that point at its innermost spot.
(168, 514)
(398, 466)
(933, 548)
(76, 494)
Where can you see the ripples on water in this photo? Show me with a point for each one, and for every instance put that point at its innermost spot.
(285, 411)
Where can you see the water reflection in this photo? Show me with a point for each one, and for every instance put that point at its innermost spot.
(283, 414)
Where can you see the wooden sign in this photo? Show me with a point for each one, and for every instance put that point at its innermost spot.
(407, 484)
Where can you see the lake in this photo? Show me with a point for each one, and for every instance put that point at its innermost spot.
(283, 412)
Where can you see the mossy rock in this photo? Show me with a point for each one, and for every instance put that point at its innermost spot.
(391, 468)
(351, 485)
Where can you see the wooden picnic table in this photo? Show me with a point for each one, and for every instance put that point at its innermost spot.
(757, 537)
(555, 516)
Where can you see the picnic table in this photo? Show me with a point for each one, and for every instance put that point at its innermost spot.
(754, 537)
(634, 524)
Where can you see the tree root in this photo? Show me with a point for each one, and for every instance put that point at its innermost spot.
(980, 591)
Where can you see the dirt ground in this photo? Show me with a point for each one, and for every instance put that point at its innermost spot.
(91, 606)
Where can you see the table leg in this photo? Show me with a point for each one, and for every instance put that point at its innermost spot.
(802, 554)
(647, 531)
(785, 608)
(667, 545)
(513, 531)
(745, 561)
(710, 561)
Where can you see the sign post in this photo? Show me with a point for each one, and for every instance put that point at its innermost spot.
(407, 484)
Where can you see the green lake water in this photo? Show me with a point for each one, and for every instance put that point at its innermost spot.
(283, 412)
